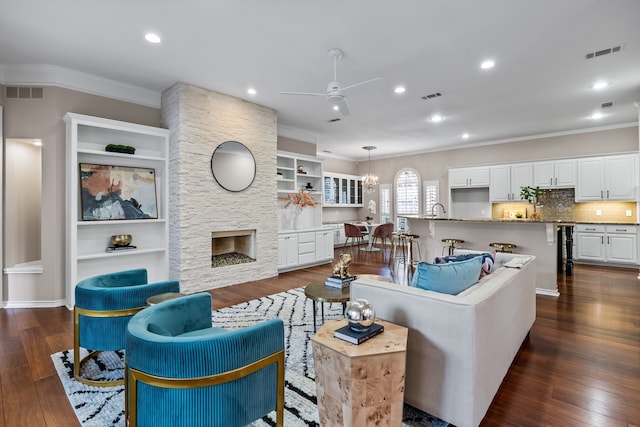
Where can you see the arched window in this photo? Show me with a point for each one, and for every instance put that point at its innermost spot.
(407, 192)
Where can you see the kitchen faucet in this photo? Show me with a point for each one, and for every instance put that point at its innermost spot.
(433, 209)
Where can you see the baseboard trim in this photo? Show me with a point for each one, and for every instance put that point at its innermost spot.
(33, 304)
(548, 292)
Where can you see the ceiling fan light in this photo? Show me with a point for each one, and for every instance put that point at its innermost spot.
(599, 85)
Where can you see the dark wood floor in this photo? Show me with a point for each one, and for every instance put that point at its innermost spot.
(580, 366)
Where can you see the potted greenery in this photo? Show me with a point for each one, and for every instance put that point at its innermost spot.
(118, 148)
(532, 195)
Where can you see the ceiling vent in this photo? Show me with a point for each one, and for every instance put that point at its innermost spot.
(602, 52)
(432, 95)
(334, 120)
(24, 92)
(607, 104)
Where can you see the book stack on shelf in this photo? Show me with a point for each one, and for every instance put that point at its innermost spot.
(358, 337)
(339, 282)
(117, 248)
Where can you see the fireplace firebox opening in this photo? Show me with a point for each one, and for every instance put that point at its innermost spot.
(232, 247)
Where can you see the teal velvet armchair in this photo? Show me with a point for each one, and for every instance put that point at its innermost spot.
(182, 371)
(104, 304)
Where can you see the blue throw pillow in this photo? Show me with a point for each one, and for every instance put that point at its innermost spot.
(488, 259)
(450, 278)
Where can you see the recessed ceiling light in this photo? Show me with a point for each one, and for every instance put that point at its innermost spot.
(251, 91)
(152, 38)
(399, 89)
(437, 118)
(465, 136)
(599, 85)
(487, 64)
(596, 116)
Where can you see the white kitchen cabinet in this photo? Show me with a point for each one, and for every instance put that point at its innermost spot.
(287, 250)
(299, 249)
(608, 178)
(469, 177)
(615, 243)
(507, 180)
(337, 231)
(342, 190)
(88, 239)
(306, 248)
(590, 243)
(622, 244)
(555, 174)
(324, 245)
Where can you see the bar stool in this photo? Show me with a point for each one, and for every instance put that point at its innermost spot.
(503, 247)
(398, 239)
(408, 248)
(411, 239)
(452, 245)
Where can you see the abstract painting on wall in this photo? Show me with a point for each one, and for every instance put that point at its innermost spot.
(117, 192)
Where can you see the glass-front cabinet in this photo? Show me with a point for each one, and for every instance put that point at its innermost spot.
(342, 190)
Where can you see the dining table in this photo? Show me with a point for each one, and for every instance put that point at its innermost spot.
(370, 227)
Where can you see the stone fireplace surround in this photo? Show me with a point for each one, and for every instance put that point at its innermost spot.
(199, 120)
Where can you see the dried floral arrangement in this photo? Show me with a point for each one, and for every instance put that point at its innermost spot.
(300, 200)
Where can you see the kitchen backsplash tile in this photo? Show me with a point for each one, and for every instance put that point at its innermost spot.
(560, 204)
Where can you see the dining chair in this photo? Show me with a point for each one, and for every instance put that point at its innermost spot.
(354, 233)
(383, 232)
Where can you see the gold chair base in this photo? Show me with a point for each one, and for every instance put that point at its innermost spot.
(87, 381)
(77, 363)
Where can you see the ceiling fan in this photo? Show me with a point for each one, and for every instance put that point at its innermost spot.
(336, 93)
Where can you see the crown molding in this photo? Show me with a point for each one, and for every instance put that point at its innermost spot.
(52, 75)
(295, 133)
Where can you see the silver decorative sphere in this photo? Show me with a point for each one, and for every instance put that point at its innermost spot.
(360, 314)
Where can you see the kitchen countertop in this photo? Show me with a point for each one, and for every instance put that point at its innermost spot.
(525, 221)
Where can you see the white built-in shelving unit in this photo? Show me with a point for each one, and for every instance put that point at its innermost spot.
(87, 241)
(311, 244)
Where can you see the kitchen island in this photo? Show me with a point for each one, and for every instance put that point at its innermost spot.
(532, 237)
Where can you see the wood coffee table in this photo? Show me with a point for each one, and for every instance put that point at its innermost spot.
(318, 292)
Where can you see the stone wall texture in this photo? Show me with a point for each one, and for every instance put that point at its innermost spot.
(199, 120)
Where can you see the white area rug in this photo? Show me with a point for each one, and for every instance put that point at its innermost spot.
(104, 406)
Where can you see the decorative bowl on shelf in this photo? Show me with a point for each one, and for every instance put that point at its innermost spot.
(121, 239)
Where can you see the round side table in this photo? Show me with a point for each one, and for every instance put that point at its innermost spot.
(157, 299)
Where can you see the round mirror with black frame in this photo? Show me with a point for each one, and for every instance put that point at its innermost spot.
(233, 166)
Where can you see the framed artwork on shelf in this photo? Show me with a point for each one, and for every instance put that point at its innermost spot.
(110, 192)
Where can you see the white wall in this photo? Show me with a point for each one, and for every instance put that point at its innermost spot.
(43, 119)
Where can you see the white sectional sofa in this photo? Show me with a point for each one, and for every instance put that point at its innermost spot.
(460, 346)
